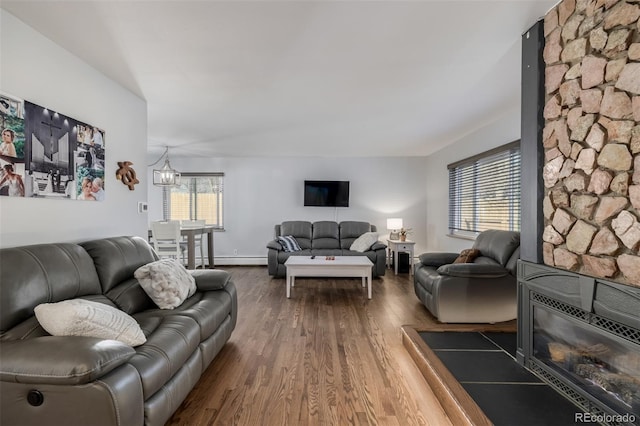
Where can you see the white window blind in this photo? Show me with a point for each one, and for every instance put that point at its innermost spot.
(484, 192)
(198, 197)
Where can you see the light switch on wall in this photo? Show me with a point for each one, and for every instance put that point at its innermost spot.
(142, 207)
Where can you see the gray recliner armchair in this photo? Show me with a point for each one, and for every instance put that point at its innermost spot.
(484, 291)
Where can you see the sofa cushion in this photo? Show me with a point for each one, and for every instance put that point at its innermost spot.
(166, 282)
(117, 258)
(325, 235)
(128, 296)
(42, 273)
(350, 230)
(327, 252)
(79, 317)
(289, 243)
(301, 230)
(171, 340)
(209, 309)
(498, 245)
(467, 256)
(364, 242)
(369, 254)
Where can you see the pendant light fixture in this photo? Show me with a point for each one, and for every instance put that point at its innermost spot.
(166, 176)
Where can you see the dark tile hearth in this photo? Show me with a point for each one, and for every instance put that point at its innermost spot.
(523, 404)
(457, 340)
(484, 364)
(485, 367)
(506, 341)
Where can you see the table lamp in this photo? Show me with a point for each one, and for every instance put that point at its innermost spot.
(394, 225)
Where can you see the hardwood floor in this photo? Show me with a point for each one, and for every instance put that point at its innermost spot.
(327, 356)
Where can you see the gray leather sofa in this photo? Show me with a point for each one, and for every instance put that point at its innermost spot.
(90, 381)
(484, 291)
(324, 238)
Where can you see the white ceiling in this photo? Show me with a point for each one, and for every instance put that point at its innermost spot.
(301, 78)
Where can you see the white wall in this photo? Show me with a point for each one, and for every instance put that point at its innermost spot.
(504, 129)
(36, 69)
(261, 192)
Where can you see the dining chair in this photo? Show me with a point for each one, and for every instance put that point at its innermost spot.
(166, 239)
(197, 237)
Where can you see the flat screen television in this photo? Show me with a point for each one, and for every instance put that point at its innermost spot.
(326, 193)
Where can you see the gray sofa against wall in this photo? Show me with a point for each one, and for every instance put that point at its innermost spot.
(484, 291)
(324, 238)
(75, 380)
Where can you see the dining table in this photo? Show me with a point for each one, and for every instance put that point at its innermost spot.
(190, 231)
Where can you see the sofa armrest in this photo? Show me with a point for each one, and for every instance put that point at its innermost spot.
(378, 246)
(273, 244)
(210, 279)
(64, 360)
(473, 270)
(437, 259)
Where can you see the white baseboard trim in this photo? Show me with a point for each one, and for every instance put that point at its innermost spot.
(240, 261)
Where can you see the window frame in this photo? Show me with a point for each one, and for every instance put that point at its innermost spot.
(512, 154)
(193, 199)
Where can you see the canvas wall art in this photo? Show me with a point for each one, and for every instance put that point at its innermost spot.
(12, 147)
(45, 154)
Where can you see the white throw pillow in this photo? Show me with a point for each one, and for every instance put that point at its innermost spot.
(79, 317)
(166, 282)
(364, 242)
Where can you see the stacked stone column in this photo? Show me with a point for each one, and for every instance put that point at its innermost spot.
(592, 138)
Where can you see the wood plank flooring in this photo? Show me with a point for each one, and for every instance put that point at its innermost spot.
(327, 356)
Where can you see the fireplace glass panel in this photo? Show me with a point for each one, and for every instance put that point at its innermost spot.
(607, 368)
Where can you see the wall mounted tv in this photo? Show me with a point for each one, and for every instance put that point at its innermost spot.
(326, 193)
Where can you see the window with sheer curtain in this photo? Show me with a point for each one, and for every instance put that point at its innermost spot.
(484, 192)
(198, 197)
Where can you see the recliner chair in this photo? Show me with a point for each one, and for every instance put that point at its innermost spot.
(484, 291)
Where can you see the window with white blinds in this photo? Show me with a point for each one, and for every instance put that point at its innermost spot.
(484, 192)
(199, 196)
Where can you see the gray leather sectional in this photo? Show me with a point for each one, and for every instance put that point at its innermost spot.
(323, 238)
(484, 291)
(90, 381)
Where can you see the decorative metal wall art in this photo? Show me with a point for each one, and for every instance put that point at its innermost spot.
(127, 174)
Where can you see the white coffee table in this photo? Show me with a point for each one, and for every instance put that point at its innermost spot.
(341, 266)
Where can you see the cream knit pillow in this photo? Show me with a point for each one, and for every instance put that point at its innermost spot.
(364, 242)
(166, 282)
(80, 317)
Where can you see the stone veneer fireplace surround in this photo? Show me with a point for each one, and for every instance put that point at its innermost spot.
(580, 142)
(591, 138)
